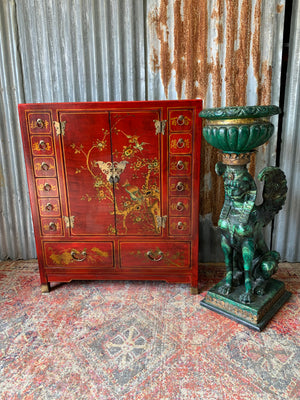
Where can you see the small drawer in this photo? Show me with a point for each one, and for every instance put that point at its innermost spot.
(42, 145)
(47, 187)
(39, 122)
(52, 226)
(180, 143)
(179, 206)
(155, 255)
(79, 254)
(180, 186)
(181, 120)
(44, 166)
(180, 165)
(179, 226)
(49, 207)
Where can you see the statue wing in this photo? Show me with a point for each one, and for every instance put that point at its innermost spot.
(274, 192)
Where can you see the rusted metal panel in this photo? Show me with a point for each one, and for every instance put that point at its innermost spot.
(219, 50)
(227, 52)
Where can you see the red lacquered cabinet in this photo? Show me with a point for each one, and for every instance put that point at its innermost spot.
(114, 189)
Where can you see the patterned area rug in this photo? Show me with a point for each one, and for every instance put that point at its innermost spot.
(139, 340)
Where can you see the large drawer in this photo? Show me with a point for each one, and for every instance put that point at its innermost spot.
(79, 254)
(155, 254)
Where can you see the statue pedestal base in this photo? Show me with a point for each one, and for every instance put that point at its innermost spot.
(255, 315)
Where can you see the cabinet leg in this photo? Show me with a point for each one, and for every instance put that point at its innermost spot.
(194, 290)
(45, 287)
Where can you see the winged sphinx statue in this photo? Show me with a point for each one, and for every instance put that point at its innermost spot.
(247, 257)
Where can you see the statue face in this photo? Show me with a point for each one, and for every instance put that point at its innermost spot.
(236, 188)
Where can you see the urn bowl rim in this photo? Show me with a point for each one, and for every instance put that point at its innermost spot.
(239, 112)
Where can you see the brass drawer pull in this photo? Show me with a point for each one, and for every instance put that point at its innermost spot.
(180, 225)
(180, 120)
(180, 186)
(40, 123)
(78, 257)
(42, 145)
(49, 207)
(45, 166)
(180, 165)
(180, 206)
(180, 143)
(52, 227)
(155, 257)
(47, 187)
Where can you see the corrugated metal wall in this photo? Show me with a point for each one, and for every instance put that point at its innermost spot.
(225, 51)
(287, 223)
(15, 219)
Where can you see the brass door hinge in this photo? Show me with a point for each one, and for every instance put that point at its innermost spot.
(59, 127)
(161, 221)
(69, 221)
(160, 126)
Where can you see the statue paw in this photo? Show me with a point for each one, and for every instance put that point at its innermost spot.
(259, 287)
(225, 289)
(246, 298)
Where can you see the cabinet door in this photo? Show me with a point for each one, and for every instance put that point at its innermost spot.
(137, 153)
(86, 147)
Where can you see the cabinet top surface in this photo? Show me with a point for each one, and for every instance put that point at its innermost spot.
(113, 104)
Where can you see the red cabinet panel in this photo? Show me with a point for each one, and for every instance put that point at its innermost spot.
(47, 187)
(79, 254)
(180, 226)
(86, 147)
(136, 149)
(155, 255)
(179, 206)
(44, 166)
(39, 122)
(49, 207)
(181, 120)
(52, 226)
(180, 165)
(180, 186)
(180, 143)
(42, 145)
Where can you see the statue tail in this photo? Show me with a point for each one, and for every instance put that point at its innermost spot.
(274, 193)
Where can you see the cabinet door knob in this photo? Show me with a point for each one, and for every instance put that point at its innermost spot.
(42, 145)
(180, 143)
(78, 256)
(180, 165)
(180, 225)
(180, 186)
(45, 166)
(49, 207)
(47, 187)
(52, 227)
(179, 206)
(157, 256)
(180, 120)
(40, 123)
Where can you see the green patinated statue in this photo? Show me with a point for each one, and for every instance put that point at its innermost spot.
(247, 257)
(247, 294)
